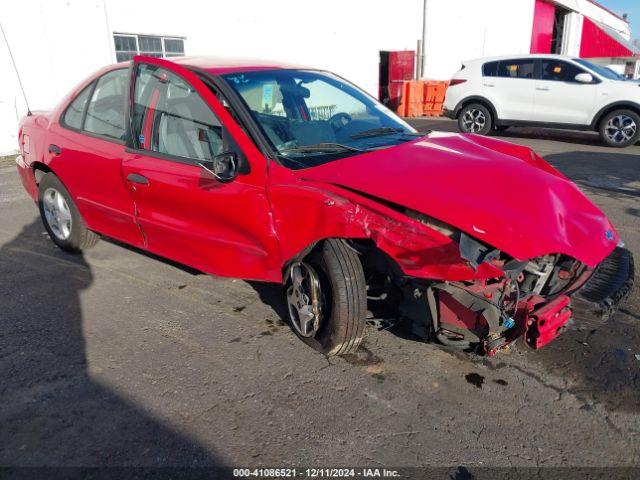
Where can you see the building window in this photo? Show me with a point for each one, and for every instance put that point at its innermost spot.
(130, 45)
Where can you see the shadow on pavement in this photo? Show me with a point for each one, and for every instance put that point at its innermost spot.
(52, 413)
(564, 136)
(615, 173)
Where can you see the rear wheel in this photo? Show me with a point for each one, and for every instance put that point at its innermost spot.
(326, 298)
(61, 218)
(620, 128)
(475, 118)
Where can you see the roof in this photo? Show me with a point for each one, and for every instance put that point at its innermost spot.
(613, 45)
(222, 65)
(517, 56)
(597, 4)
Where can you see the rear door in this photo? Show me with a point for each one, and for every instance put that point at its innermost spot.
(185, 213)
(559, 98)
(86, 148)
(509, 85)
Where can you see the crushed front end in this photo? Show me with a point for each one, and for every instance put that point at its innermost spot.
(534, 299)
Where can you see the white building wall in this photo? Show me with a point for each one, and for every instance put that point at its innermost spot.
(56, 43)
(458, 30)
(60, 42)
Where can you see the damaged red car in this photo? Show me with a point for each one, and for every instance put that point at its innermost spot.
(293, 175)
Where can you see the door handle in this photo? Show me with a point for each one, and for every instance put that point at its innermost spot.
(137, 178)
(488, 84)
(55, 149)
(543, 89)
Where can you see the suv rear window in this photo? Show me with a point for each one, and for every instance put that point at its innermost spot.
(490, 69)
(516, 68)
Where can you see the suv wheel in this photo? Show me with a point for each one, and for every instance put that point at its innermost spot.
(620, 128)
(327, 298)
(475, 118)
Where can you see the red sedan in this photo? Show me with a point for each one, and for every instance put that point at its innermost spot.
(293, 175)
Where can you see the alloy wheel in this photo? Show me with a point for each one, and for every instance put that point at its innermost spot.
(474, 120)
(57, 213)
(620, 129)
(304, 299)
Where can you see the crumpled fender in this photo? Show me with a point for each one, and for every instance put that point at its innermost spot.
(307, 212)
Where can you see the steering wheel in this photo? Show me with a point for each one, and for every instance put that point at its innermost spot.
(339, 120)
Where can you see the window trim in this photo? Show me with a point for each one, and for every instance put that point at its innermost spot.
(131, 145)
(92, 85)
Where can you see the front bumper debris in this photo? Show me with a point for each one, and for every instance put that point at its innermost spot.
(608, 287)
(547, 322)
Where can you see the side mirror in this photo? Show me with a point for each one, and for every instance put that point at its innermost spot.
(224, 167)
(584, 78)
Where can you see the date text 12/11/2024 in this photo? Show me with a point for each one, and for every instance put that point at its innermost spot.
(315, 473)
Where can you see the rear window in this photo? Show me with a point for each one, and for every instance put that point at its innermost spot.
(75, 111)
(490, 69)
(516, 68)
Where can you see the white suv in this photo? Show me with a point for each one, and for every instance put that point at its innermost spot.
(544, 90)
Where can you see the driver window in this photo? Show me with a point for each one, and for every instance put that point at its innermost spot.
(559, 71)
(171, 118)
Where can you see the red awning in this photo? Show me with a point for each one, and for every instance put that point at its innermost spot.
(600, 41)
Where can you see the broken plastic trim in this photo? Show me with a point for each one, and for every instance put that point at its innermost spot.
(476, 252)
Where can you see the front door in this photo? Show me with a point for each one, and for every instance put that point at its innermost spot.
(186, 213)
(559, 97)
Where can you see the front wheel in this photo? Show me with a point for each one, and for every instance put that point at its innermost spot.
(475, 118)
(61, 218)
(327, 298)
(620, 128)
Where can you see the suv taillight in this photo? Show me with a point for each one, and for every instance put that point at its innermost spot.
(456, 81)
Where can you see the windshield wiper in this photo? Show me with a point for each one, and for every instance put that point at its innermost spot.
(377, 132)
(327, 147)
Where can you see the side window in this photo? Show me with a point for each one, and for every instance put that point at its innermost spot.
(73, 115)
(516, 68)
(490, 69)
(559, 71)
(170, 117)
(106, 111)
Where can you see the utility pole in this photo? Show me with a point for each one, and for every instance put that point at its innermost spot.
(423, 43)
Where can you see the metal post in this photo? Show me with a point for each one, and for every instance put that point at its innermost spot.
(423, 45)
(418, 73)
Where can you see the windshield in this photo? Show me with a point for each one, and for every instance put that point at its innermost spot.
(313, 117)
(602, 71)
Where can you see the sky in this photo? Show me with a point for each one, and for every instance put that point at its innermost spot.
(632, 7)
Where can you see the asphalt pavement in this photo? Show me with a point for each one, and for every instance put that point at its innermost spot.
(116, 358)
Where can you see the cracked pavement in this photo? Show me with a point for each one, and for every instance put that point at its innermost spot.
(119, 358)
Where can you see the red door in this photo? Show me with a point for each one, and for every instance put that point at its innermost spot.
(184, 212)
(86, 150)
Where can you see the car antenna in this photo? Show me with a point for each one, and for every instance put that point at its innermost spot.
(15, 67)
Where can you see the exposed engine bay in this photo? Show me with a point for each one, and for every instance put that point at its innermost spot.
(531, 300)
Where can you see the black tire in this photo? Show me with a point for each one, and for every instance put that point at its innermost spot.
(475, 118)
(344, 296)
(620, 133)
(79, 237)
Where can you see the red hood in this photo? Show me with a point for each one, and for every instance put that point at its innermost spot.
(495, 191)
